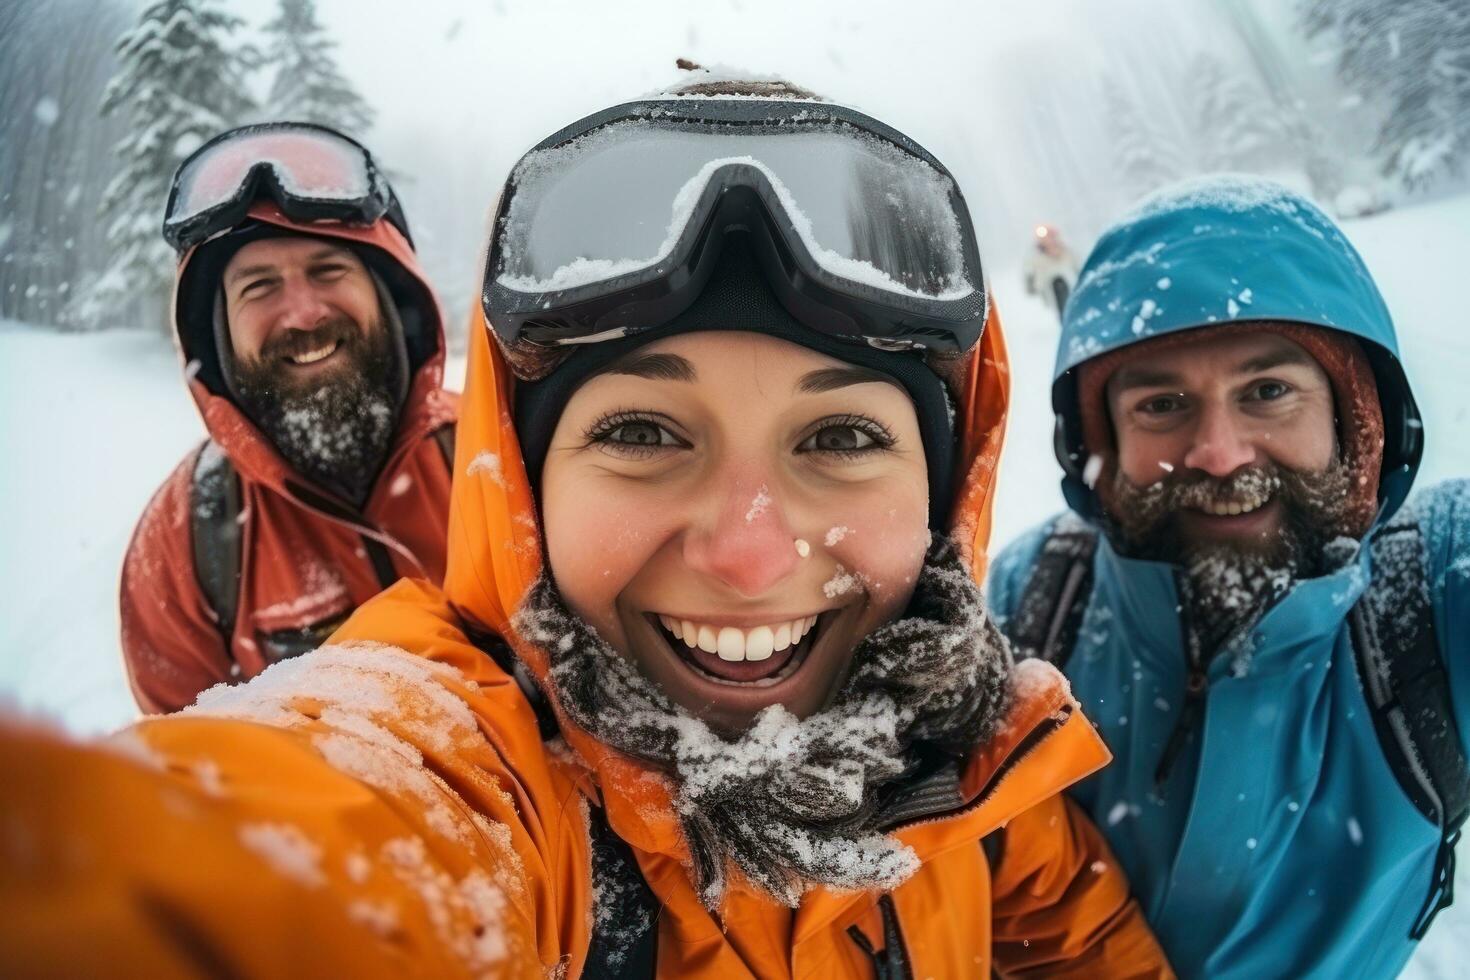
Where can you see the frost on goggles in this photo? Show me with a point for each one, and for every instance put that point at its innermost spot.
(617, 201)
(308, 165)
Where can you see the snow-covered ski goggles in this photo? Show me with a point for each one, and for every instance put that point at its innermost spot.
(313, 173)
(614, 224)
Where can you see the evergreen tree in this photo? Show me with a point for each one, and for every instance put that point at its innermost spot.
(308, 87)
(1236, 126)
(1415, 56)
(179, 83)
(1143, 157)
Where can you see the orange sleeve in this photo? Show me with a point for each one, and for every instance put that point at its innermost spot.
(362, 832)
(1062, 906)
(171, 646)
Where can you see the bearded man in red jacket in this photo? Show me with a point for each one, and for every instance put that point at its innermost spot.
(314, 348)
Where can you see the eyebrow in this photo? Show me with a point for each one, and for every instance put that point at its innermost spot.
(1275, 359)
(830, 379)
(1131, 377)
(1128, 377)
(266, 268)
(655, 367)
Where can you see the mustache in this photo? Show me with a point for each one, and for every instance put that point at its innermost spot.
(1316, 504)
(293, 343)
(1193, 490)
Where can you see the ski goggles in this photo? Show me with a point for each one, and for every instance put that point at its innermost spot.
(313, 173)
(613, 225)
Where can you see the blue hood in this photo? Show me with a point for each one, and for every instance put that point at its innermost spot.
(1220, 250)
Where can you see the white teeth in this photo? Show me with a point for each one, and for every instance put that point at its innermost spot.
(760, 643)
(730, 643)
(1233, 508)
(311, 357)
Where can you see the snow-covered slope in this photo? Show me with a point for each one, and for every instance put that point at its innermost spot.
(91, 425)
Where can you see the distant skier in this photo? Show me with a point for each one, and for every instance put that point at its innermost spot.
(1051, 268)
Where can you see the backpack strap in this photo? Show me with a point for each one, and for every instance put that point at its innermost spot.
(215, 535)
(624, 940)
(1049, 616)
(1408, 692)
(444, 436)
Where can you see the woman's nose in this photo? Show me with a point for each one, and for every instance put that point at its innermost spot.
(745, 543)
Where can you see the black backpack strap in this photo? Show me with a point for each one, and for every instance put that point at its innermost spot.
(215, 534)
(1049, 615)
(625, 911)
(1408, 691)
(444, 436)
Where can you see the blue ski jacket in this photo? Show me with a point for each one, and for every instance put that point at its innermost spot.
(1281, 843)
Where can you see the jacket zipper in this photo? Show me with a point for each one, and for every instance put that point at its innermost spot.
(1196, 683)
(1024, 748)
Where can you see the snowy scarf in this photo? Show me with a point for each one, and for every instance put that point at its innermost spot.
(794, 803)
(336, 431)
(1226, 588)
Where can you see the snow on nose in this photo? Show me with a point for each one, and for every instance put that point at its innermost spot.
(747, 544)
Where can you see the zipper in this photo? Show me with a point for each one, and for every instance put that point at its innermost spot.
(302, 496)
(1024, 748)
(1196, 684)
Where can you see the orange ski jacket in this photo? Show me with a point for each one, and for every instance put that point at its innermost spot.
(306, 558)
(389, 805)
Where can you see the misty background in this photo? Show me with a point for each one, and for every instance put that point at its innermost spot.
(1058, 111)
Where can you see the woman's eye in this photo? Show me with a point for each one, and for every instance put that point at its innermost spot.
(839, 439)
(632, 437)
(641, 434)
(846, 439)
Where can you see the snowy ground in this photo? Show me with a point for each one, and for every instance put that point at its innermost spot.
(90, 425)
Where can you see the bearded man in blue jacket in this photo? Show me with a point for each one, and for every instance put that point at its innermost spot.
(1271, 642)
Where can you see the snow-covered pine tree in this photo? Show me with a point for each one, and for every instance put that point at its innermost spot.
(308, 86)
(1143, 157)
(1236, 126)
(179, 81)
(1414, 55)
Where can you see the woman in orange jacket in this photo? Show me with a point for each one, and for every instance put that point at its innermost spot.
(701, 695)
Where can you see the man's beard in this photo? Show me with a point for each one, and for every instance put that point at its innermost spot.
(1228, 586)
(798, 803)
(336, 428)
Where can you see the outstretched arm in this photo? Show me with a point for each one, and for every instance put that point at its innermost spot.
(363, 832)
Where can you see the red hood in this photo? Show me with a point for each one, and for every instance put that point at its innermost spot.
(386, 250)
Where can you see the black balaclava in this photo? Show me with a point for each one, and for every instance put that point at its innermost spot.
(737, 298)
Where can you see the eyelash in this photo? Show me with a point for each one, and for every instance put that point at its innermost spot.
(601, 431)
(882, 438)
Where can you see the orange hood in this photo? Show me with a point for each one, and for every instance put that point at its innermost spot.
(390, 255)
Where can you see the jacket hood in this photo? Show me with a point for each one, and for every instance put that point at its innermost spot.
(384, 249)
(1219, 250)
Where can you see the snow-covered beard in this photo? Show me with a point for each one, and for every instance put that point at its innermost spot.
(794, 803)
(334, 430)
(1228, 587)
